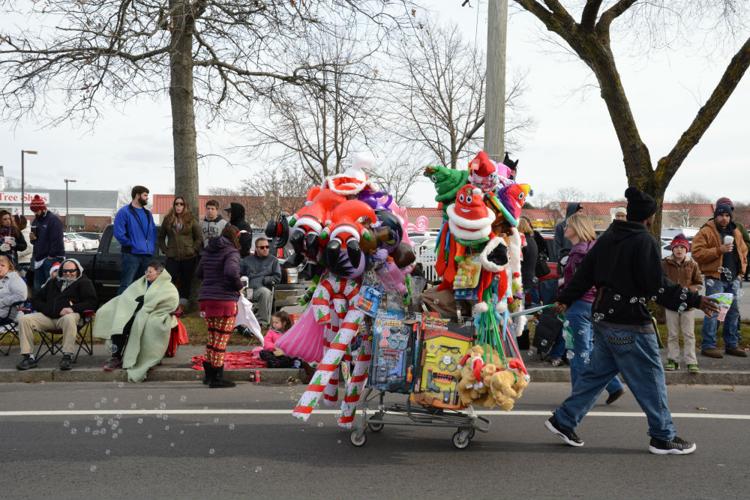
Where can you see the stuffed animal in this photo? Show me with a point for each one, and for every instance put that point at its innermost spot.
(447, 182)
(469, 219)
(471, 387)
(501, 388)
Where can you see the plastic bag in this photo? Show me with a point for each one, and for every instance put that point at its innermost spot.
(245, 317)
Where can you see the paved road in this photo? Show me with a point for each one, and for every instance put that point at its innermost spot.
(209, 452)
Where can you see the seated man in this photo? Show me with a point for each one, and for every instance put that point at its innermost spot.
(59, 304)
(139, 322)
(263, 272)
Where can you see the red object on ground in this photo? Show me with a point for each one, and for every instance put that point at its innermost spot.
(238, 360)
(177, 337)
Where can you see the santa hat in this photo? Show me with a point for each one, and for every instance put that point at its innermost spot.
(482, 165)
(54, 268)
(680, 240)
(37, 204)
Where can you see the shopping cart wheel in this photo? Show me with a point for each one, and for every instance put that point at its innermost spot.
(375, 426)
(358, 438)
(461, 439)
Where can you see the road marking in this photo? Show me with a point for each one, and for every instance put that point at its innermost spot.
(236, 411)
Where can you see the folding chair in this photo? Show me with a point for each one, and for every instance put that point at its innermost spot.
(9, 326)
(49, 344)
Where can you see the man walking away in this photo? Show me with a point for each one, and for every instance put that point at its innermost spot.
(237, 219)
(625, 267)
(134, 228)
(721, 254)
(213, 223)
(47, 237)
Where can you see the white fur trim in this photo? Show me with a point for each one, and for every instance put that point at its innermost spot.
(514, 252)
(501, 307)
(480, 307)
(468, 235)
(345, 229)
(521, 324)
(469, 223)
(488, 248)
(309, 222)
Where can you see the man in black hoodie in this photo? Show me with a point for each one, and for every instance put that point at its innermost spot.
(625, 267)
(237, 219)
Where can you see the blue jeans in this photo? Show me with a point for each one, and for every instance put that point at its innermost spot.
(579, 319)
(731, 322)
(133, 267)
(636, 356)
(41, 274)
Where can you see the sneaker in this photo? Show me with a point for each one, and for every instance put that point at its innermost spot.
(712, 353)
(27, 362)
(112, 364)
(671, 365)
(693, 369)
(567, 435)
(736, 351)
(676, 446)
(556, 362)
(615, 396)
(66, 362)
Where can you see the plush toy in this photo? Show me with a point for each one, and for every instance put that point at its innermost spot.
(447, 182)
(469, 219)
(501, 385)
(471, 387)
(510, 200)
(483, 172)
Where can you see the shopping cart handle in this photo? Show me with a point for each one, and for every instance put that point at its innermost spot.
(532, 310)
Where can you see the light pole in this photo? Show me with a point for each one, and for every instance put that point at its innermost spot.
(67, 210)
(23, 176)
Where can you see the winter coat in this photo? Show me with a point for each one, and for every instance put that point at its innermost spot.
(151, 327)
(237, 219)
(625, 267)
(24, 256)
(212, 228)
(575, 257)
(219, 269)
(561, 242)
(706, 252)
(183, 244)
(79, 295)
(261, 271)
(528, 266)
(12, 289)
(49, 237)
(135, 230)
(686, 273)
(16, 243)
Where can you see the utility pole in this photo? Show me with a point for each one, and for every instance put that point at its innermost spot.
(23, 175)
(67, 209)
(494, 126)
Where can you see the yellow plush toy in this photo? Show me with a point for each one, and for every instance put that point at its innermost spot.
(471, 386)
(506, 386)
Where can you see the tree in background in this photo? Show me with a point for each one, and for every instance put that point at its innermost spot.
(211, 56)
(589, 37)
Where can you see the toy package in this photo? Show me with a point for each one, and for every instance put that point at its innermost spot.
(393, 343)
(444, 345)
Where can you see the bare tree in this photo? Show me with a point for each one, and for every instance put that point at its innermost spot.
(437, 99)
(568, 194)
(397, 178)
(589, 38)
(685, 209)
(218, 54)
(317, 125)
(279, 190)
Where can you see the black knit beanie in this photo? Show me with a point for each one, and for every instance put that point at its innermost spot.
(641, 206)
(723, 209)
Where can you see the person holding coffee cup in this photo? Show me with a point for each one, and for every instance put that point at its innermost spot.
(721, 253)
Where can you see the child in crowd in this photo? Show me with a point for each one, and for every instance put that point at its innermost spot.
(275, 357)
(680, 268)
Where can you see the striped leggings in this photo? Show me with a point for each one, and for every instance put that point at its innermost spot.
(219, 330)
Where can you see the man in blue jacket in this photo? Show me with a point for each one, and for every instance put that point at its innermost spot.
(136, 232)
(47, 236)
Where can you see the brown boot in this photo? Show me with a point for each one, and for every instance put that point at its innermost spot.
(712, 353)
(736, 351)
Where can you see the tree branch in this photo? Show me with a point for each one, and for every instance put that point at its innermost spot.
(613, 13)
(668, 166)
(590, 11)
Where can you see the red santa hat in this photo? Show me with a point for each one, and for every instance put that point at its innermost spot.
(482, 165)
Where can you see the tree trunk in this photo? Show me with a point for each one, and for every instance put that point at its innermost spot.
(181, 100)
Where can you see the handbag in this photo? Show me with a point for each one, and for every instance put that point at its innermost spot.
(548, 330)
(542, 266)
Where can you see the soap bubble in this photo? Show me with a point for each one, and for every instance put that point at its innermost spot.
(87, 429)
(107, 451)
(165, 417)
(66, 423)
(103, 431)
(182, 432)
(115, 435)
(149, 436)
(183, 398)
(258, 469)
(683, 296)
(133, 406)
(231, 427)
(611, 311)
(569, 355)
(338, 441)
(633, 300)
(103, 400)
(120, 431)
(171, 445)
(166, 427)
(211, 451)
(216, 420)
(149, 397)
(709, 282)
(661, 290)
(121, 385)
(71, 405)
(682, 307)
(197, 424)
(95, 433)
(92, 468)
(653, 298)
(617, 297)
(115, 400)
(140, 420)
(642, 300)
(161, 397)
(162, 406)
(320, 424)
(74, 431)
(97, 405)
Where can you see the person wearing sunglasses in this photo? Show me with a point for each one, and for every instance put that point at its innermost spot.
(263, 272)
(59, 305)
(181, 240)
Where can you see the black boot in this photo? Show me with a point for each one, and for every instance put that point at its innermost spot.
(207, 372)
(218, 379)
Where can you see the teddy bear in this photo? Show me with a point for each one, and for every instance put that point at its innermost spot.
(488, 371)
(470, 386)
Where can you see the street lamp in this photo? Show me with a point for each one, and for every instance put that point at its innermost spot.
(67, 220)
(23, 176)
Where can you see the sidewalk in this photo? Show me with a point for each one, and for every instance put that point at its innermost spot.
(728, 371)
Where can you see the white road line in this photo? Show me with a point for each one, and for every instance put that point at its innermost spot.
(233, 411)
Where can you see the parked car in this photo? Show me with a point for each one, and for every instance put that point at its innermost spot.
(77, 243)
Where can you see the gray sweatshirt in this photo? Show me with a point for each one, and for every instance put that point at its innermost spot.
(261, 272)
(12, 289)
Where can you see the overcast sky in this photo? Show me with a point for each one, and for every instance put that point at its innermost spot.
(573, 143)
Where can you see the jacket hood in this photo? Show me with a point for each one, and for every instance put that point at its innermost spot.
(236, 213)
(572, 209)
(77, 264)
(219, 244)
(582, 247)
(622, 230)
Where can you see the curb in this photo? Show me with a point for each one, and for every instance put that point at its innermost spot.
(284, 376)
(266, 376)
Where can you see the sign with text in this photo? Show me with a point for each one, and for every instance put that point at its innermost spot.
(14, 197)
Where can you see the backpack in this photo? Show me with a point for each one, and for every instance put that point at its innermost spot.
(548, 330)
